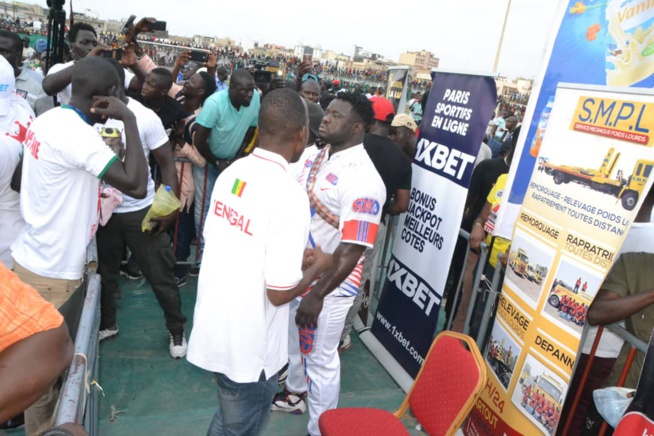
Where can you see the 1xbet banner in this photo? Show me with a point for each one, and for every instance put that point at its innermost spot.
(453, 127)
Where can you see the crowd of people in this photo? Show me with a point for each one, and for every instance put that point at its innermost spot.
(298, 175)
(230, 156)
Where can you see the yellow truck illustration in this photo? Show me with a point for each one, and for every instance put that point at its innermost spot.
(542, 398)
(627, 190)
(561, 289)
(518, 262)
(536, 273)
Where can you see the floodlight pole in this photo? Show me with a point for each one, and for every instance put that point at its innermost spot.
(499, 46)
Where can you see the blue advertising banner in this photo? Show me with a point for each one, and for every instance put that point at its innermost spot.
(598, 42)
(453, 127)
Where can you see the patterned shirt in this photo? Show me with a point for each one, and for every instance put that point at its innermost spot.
(350, 194)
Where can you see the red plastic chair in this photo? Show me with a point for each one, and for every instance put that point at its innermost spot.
(446, 389)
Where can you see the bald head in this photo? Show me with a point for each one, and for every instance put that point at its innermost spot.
(242, 77)
(511, 123)
(283, 123)
(311, 91)
(94, 76)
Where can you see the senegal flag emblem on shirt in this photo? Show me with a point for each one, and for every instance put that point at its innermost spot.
(239, 186)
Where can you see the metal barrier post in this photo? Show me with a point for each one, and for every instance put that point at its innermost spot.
(465, 235)
(204, 202)
(492, 292)
(475, 287)
(582, 382)
(72, 404)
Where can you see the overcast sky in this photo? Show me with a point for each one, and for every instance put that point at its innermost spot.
(463, 33)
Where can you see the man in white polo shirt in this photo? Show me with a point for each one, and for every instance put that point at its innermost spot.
(60, 192)
(256, 234)
(346, 195)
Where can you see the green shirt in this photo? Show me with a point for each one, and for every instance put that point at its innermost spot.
(632, 274)
(228, 125)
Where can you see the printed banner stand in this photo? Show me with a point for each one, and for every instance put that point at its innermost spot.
(579, 205)
(593, 43)
(455, 120)
(397, 87)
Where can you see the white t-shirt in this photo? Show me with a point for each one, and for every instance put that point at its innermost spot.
(255, 234)
(639, 239)
(152, 136)
(350, 188)
(66, 93)
(64, 158)
(13, 128)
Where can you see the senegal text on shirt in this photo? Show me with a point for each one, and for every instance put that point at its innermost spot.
(233, 217)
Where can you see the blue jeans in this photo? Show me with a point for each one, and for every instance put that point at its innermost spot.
(200, 214)
(244, 408)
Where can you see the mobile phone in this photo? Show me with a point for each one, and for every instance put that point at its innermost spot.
(128, 23)
(157, 25)
(199, 56)
(307, 58)
(262, 76)
(116, 53)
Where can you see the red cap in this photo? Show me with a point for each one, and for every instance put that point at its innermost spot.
(336, 82)
(384, 110)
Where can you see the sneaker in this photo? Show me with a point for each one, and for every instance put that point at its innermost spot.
(194, 271)
(109, 333)
(289, 402)
(180, 281)
(131, 275)
(177, 347)
(283, 375)
(344, 344)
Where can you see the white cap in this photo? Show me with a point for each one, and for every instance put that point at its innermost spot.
(7, 86)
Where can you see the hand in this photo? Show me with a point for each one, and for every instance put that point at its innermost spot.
(212, 61)
(128, 58)
(163, 223)
(183, 58)
(321, 261)
(97, 51)
(143, 25)
(309, 311)
(307, 260)
(476, 236)
(304, 68)
(110, 107)
(222, 164)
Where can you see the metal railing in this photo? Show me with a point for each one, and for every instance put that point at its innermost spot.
(78, 400)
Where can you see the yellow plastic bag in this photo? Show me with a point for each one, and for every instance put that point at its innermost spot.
(165, 202)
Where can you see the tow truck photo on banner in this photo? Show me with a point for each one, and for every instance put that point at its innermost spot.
(593, 172)
(453, 127)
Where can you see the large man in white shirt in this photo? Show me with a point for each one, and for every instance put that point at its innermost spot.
(60, 192)
(258, 212)
(346, 195)
(153, 251)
